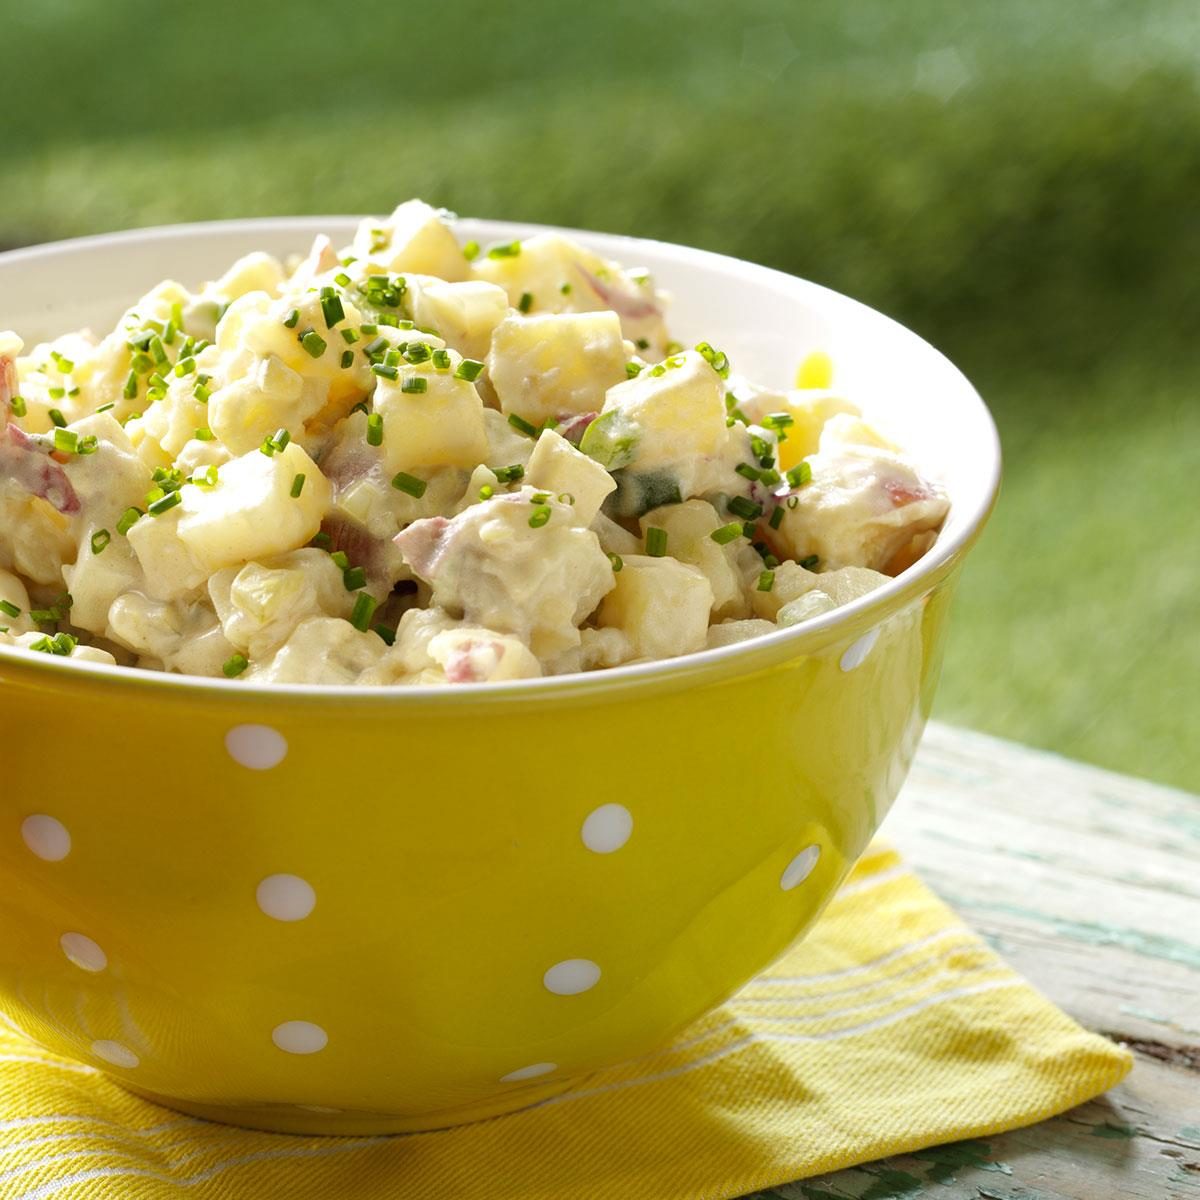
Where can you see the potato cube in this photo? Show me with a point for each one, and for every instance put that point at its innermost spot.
(689, 528)
(464, 314)
(251, 512)
(414, 238)
(556, 364)
(557, 467)
(661, 604)
(439, 426)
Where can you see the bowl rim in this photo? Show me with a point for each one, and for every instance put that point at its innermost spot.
(778, 645)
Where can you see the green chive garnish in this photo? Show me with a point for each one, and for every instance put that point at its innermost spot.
(799, 475)
(100, 539)
(541, 514)
(810, 562)
(354, 578)
(331, 308)
(19, 407)
(526, 302)
(415, 385)
(313, 342)
(766, 581)
(746, 509)
(509, 474)
(617, 562)
(234, 666)
(469, 369)
(656, 542)
(522, 426)
(777, 515)
(9, 609)
(726, 533)
(385, 371)
(129, 518)
(470, 251)
(297, 486)
(163, 504)
(409, 484)
(374, 430)
(292, 319)
(504, 250)
(57, 417)
(364, 609)
(66, 441)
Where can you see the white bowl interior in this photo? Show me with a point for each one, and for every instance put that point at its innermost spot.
(765, 320)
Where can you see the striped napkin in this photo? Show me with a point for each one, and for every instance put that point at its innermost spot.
(892, 1027)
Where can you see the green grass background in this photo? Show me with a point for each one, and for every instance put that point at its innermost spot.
(1018, 182)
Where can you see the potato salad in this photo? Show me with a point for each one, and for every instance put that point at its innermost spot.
(413, 461)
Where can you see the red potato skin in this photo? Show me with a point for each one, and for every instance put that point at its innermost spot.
(24, 460)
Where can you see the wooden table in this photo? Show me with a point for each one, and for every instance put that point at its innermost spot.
(1089, 884)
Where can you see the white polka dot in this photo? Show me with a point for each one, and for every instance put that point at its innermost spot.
(859, 650)
(258, 747)
(116, 1054)
(46, 837)
(800, 868)
(83, 952)
(286, 897)
(530, 1072)
(571, 976)
(299, 1037)
(607, 828)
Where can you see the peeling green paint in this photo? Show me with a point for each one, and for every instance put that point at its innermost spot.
(949, 1159)
(891, 1184)
(1108, 1130)
(1192, 1132)
(1150, 945)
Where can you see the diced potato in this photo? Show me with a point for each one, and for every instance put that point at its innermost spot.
(791, 582)
(168, 425)
(689, 528)
(179, 636)
(614, 538)
(728, 633)
(809, 410)
(320, 650)
(260, 604)
(554, 365)
(79, 653)
(169, 566)
(111, 479)
(607, 647)
(662, 605)
(661, 418)
(413, 238)
(254, 272)
(441, 426)
(309, 346)
(505, 445)
(559, 468)
(811, 604)
(96, 580)
(251, 513)
(270, 396)
(562, 276)
(464, 314)
(474, 655)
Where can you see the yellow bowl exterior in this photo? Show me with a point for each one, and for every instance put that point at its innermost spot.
(443, 839)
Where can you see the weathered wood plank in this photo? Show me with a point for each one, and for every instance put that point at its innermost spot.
(1087, 882)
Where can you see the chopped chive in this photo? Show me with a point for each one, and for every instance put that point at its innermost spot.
(632, 370)
(415, 385)
(19, 407)
(100, 540)
(376, 348)
(347, 359)
(388, 634)
(799, 475)
(410, 484)
(234, 666)
(342, 279)
(297, 486)
(340, 559)
(539, 497)
(364, 609)
(374, 430)
(526, 302)
(441, 359)
(332, 310)
(749, 530)
(313, 342)
(643, 343)
(769, 476)
(617, 562)
(203, 434)
(541, 514)
(64, 365)
(322, 540)
(9, 609)
(504, 250)
(486, 492)
(88, 444)
(201, 393)
(509, 474)
(715, 359)
(392, 358)
(726, 533)
(169, 332)
(748, 472)
(777, 515)
(106, 407)
(354, 578)
(129, 518)
(656, 542)
(349, 336)
(471, 250)
(368, 327)
(522, 426)
(417, 352)
(163, 504)
(57, 393)
(66, 441)
(206, 478)
(746, 509)
(469, 369)
(292, 319)
(156, 349)
(59, 420)
(809, 563)
(766, 581)
(382, 369)
(778, 420)
(565, 288)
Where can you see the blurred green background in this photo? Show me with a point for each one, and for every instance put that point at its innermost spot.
(1018, 182)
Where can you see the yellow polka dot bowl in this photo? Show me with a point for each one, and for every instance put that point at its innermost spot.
(320, 910)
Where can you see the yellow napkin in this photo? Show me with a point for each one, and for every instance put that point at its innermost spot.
(890, 1028)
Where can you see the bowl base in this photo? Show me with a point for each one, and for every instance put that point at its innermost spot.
(332, 1122)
